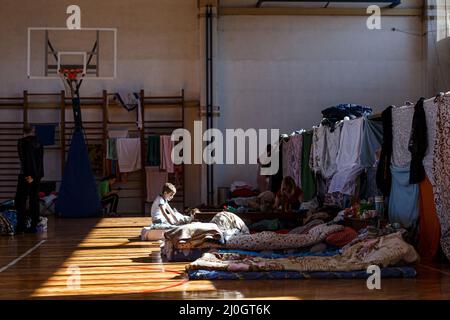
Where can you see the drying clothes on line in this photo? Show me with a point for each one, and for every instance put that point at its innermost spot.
(111, 149)
(332, 144)
(441, 172)
(292, 158)
(45, 133)
(350, 144)
(155, 179)
(384, 176)
(403, 201)
(345, 181)
(166, 147)
(318, 149)
(339, 112)
(418, 143)
(385, 252)
(112, 167)
(429, 228)
(117, 133)
(129, 154)
(368, 186)
(267, 240)
(348, 159)
(307, 176)
(431, 109)
(371, 142)
(153, 151)
(402, 118)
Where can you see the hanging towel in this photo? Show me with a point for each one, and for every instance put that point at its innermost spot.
(155, 180)
(307, 176)
(153, 151)
(129, 154)
(166, 147)
(116, 133)
(429, 228)
(371, 143)
(403, 201)
(45, 133)
(111, 149)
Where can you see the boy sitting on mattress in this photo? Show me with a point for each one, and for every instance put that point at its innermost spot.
(163, 213)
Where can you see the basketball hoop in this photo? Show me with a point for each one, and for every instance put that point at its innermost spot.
(72, 79)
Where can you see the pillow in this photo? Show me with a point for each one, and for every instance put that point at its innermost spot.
(341, 238)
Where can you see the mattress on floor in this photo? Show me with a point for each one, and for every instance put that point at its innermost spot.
(185, 252)
(275, 254)
(390, 272)
(187, 255)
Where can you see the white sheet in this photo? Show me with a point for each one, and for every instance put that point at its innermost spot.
(129, 154)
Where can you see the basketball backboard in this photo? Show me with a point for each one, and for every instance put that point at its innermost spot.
(94, 50)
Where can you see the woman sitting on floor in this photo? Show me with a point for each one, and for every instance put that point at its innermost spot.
(290, 197)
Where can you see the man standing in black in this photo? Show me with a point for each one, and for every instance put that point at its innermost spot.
(31, 155)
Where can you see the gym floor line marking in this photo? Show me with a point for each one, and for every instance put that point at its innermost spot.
(22, 256)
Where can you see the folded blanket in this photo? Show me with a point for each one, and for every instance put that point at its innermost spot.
(230, 224)
(399, 272)
(384, 251)
(195, 233)
(268, 240)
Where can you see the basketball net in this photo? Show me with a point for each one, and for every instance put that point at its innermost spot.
(72, 79)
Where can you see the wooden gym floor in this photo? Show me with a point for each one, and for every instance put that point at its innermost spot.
(115, 264)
